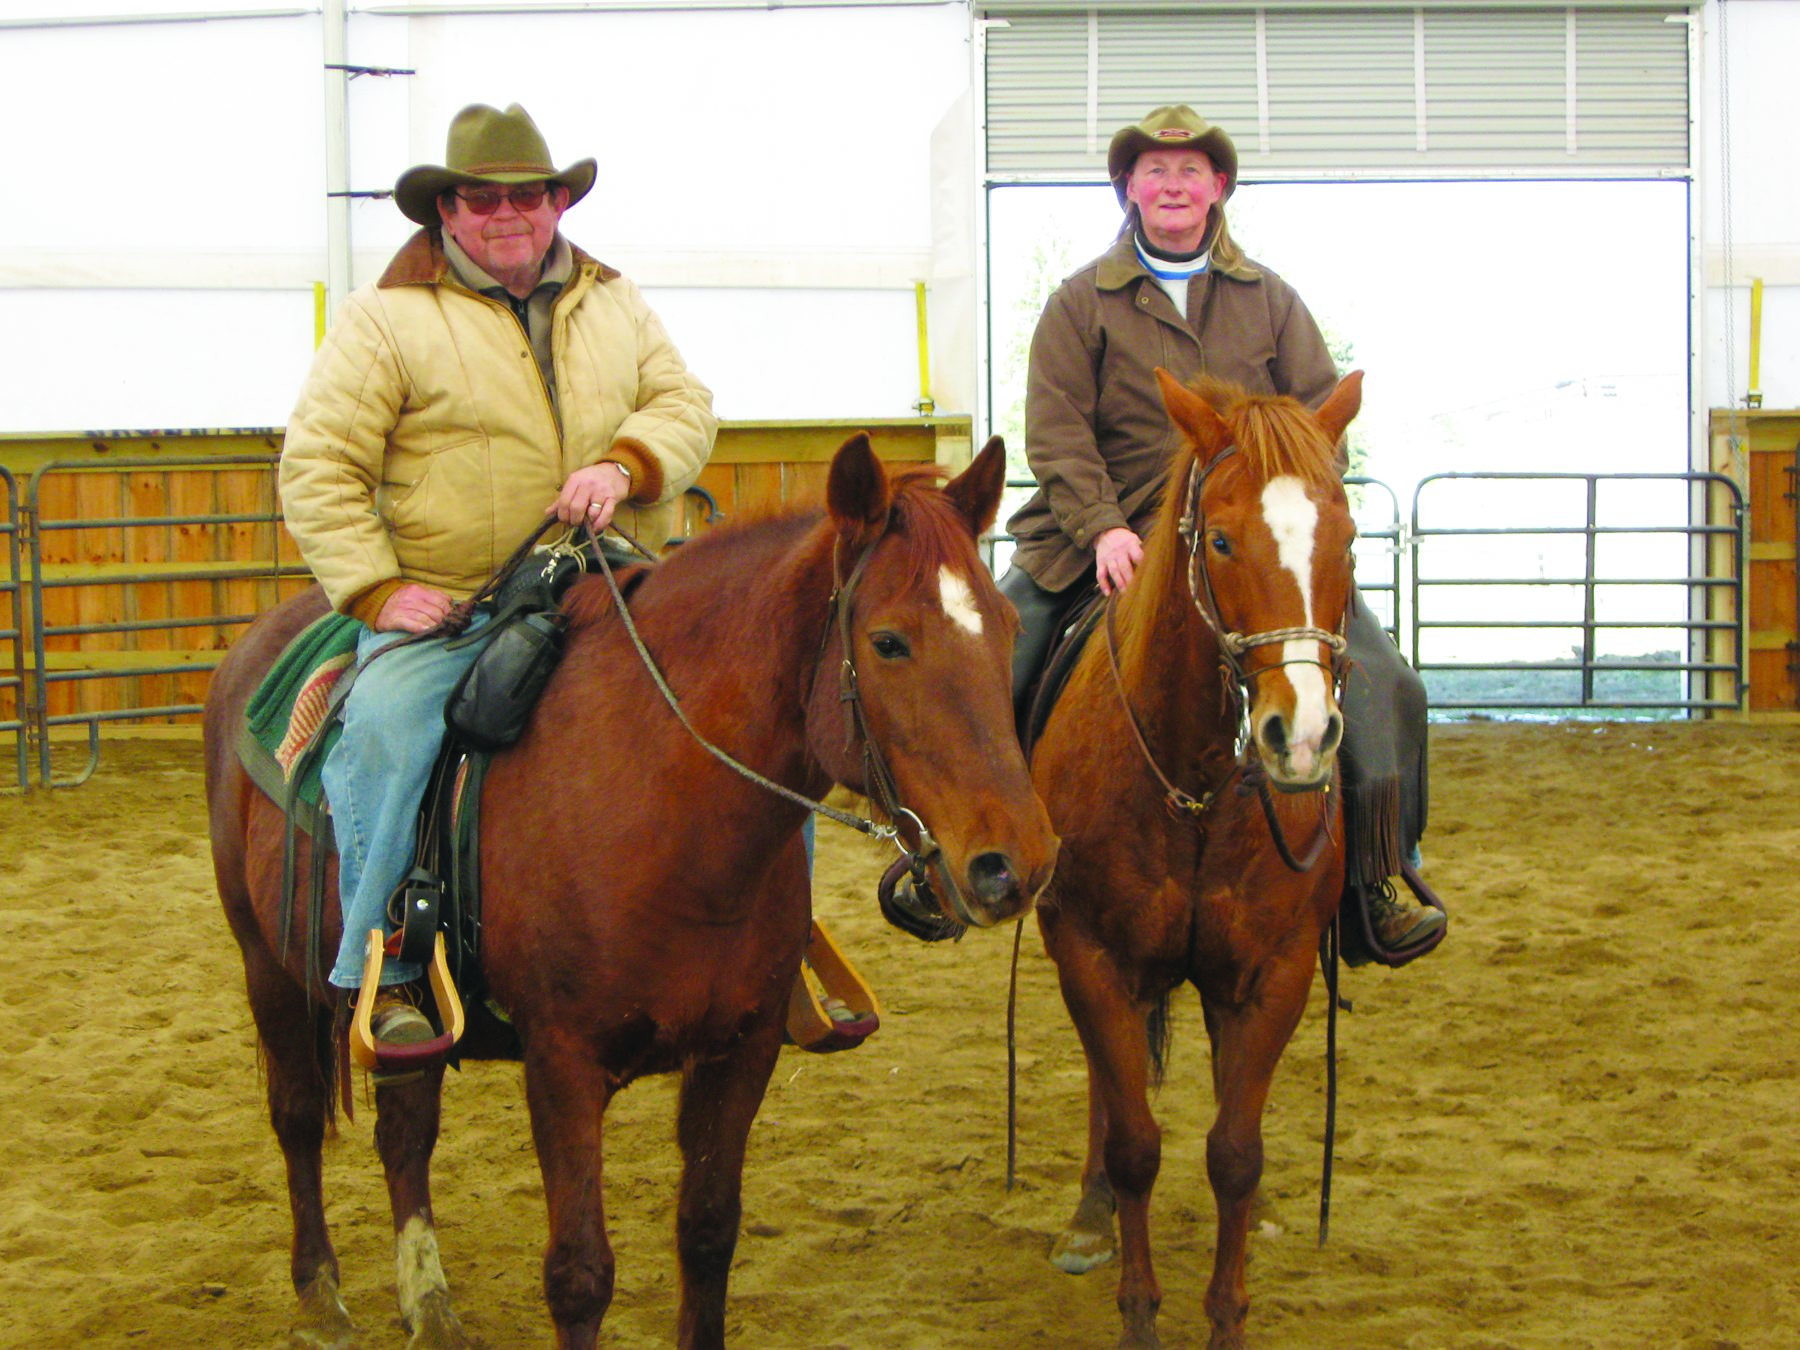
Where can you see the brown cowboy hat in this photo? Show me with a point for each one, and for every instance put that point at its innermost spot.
(486, 145)
(1173, 127)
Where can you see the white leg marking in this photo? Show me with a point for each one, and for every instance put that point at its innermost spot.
(958, 601)
(417, 1269)
(1293, 519)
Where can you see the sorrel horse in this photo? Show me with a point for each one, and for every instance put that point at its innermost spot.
(645, 906)
(1212, 681)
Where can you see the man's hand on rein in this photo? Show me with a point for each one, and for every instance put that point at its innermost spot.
(591, 495)
(413, 609)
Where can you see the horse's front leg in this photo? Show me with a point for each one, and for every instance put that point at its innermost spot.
(567, 1091)
(1247, 1044)
(1114, 1034)
(1088, 1240)
(406, 1131)
(719, 1099)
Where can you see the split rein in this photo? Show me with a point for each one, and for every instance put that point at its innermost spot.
(876, 774)
(1236, 680)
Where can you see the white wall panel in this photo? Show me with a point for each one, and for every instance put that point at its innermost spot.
(123, 360)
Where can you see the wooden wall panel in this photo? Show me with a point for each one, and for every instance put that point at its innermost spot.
(1761, 450)
(756, 468)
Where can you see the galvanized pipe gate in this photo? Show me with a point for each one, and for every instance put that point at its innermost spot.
(75, 641)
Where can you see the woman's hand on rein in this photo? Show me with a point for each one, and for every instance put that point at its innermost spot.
(1117, 553)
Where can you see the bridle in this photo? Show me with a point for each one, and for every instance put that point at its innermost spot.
(876, 774)
(1236, 679)
(1232, 645)
(878, 779)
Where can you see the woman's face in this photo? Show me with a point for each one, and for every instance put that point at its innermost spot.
(1173, 191)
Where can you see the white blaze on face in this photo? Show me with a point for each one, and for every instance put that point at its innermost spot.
(1293, 519)
(958, 601)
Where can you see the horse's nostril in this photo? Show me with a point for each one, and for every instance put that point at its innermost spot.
(992, 876)
(1334, 733)
(1274, 735)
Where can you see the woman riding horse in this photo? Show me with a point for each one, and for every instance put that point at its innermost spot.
(1175, 291)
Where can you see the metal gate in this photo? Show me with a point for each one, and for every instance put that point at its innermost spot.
(1432, 579)
(145, 603)
(12, 634)
(1547, 581)
(1419, 578)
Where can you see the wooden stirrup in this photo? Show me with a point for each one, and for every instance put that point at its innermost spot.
(809, 1025)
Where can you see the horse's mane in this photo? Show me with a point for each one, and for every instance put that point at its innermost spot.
(929, 522)
(1275, 435)
(937, 531)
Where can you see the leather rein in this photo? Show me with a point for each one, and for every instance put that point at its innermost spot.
(1236, 679)
(876, 774)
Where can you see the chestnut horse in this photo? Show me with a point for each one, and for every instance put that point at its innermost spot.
(645, 906)
(1212, 680)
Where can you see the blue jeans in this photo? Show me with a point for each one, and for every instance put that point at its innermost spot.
(375, 779)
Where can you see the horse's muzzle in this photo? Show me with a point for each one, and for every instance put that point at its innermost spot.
(1298, 764)
(997, 890)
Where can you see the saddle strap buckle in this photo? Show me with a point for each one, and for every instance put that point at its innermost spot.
(413, 910)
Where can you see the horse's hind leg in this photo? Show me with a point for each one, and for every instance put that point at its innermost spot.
(299, 1060)
(567, 1091)
(1114, 1033)
(719, 1099)
(1247, 1044)
(406, 1131)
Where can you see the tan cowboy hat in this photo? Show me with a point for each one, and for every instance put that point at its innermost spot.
(486, 145)
(1173, 127)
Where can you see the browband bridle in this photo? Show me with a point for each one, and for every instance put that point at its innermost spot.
(875, 768)
(1232, 645)
(878, 779)
(1236, 679)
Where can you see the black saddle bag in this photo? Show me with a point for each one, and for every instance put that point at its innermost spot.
(491, 704)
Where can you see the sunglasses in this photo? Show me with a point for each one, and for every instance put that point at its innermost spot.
(485, 201)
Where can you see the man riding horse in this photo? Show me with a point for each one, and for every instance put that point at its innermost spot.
(494, 375)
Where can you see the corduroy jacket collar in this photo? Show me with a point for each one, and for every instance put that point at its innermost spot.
(1120, 265)
(421, 262)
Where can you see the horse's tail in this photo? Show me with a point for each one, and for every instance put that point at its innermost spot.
(330, 1059)
(1160, 1032)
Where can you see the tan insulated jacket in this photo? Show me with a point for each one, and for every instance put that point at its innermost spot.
(1097, 437)
(424, 447)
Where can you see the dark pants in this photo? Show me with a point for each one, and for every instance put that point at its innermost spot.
(1383, 753)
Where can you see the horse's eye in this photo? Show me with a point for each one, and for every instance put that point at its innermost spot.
(890, 646)
(1220, 544)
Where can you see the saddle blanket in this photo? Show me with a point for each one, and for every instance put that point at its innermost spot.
(287, 710)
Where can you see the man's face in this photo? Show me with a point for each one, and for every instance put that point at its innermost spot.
(507, 242)
(1173, 191)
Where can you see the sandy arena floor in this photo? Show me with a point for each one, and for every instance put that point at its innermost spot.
(1574, 1127)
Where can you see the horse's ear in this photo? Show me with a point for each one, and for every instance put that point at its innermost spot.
(1194, 415)
(1341, 408)
(976, 490)
(858, 493)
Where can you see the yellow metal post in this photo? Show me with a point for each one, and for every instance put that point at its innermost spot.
(925, 404)
(318, 313)
(1754, 397)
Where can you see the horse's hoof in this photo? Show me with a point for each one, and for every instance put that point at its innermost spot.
(1077, 1250)
(1142, 1338)
(435, 1326)
(324, 1323)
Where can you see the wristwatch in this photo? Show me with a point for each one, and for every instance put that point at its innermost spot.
(622, 469)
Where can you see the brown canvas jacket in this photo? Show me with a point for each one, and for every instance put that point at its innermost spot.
(1097, 437)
